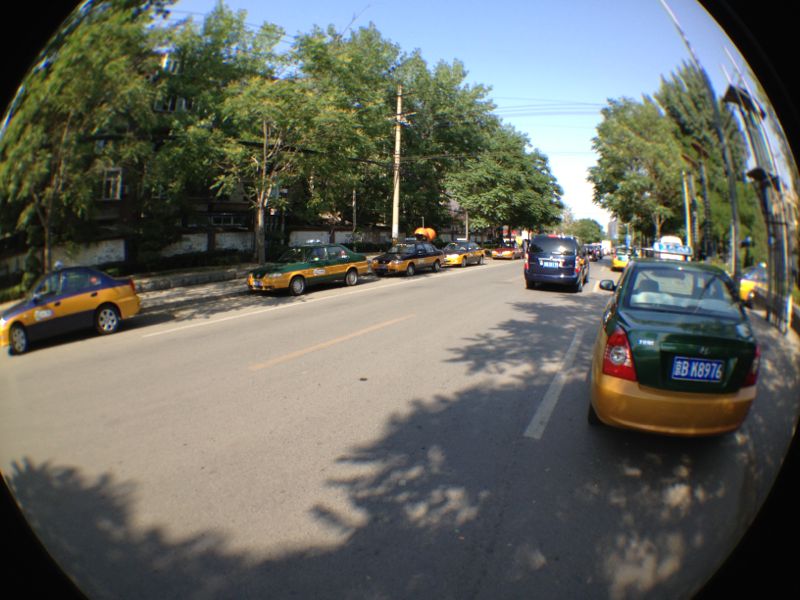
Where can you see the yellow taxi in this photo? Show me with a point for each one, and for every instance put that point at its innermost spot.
(621, 257)
(753, 278)
(462, 253)
(309, 264)
(66, 300)
(507, 249)
(407, 258)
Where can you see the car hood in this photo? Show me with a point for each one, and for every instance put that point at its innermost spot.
(268, 268)
(15, 309)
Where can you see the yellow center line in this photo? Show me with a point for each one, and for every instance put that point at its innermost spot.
(321, 346)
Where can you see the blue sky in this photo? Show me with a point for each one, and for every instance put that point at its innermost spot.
(551, 64)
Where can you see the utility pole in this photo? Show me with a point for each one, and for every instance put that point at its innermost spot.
(687, 211)
(396, 194)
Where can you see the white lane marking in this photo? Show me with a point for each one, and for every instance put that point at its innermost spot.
(538, 423)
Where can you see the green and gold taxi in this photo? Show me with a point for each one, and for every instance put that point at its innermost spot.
(462, 253)
(675, 353)
(309, 264)
(65, 300)
(407, 258)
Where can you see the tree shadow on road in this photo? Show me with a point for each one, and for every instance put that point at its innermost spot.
(452, 502)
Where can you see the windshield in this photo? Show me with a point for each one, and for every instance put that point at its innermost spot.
(686, 291)
(453, 247)
(294, 255)
(401, 249)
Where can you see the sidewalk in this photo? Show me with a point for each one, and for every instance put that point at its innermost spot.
(173, 290)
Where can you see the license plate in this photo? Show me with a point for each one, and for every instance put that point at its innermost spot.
(697, 369)
(549, 264)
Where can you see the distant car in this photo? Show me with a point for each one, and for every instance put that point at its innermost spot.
(306, 265)
(753, 278)
(65, 300)
(675, 353)
(407, 258)
(558, 260)
(593, 251)
(620, 257)
(463, 253)
(507, 249)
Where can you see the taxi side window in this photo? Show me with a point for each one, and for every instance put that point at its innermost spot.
(77, 281)
(342, 253)
(429, 249)
(48, 286)
(318, 254)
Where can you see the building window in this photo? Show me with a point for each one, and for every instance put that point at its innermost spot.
(172, 104)
(170, 64)
(112, 184)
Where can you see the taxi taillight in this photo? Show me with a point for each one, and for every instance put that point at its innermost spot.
(617, 359)
(752, 374)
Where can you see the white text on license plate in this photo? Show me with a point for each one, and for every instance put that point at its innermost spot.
(550, 264)
(697, 369)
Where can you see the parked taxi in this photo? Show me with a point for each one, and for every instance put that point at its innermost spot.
(65, 300)
(621, 257)
(407, 258)
(462, 253)
(675, 353)
(507, 249)
(753, 278)
(309, 264)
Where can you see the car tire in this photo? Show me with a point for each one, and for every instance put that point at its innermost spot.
(592, 417)
(410, 270)
(297, 285)
(464, 262)
(482, 260)
(106, 319)
(18, 340)
(351, 278)
(531, 285)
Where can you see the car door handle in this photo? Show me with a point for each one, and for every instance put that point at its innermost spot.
(94, 294)
(57, 303)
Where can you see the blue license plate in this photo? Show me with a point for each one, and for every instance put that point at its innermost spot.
(697, 369)
(549, 264)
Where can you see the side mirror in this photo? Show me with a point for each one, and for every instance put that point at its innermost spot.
(608, 285)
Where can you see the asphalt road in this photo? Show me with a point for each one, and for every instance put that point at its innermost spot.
(416, 437)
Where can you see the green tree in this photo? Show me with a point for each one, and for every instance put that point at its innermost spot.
(588, 231)
(638, 173)
(89, 89)
(506, 185)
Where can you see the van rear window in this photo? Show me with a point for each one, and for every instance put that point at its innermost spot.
(556, 246)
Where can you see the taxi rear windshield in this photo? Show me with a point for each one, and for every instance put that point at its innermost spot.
(553, 246)
(685, 291)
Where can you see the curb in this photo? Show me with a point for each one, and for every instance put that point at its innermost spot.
(165, 282)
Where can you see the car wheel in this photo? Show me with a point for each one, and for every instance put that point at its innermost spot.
(463, 262)
(592, 416)
(351, 278)
(106, 319)
(410, 270)
(482, 260)
(297, 285)
(531, 285)
(437, 266)
(18, 339)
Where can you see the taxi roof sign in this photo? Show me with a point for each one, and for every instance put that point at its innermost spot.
(668, 248)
